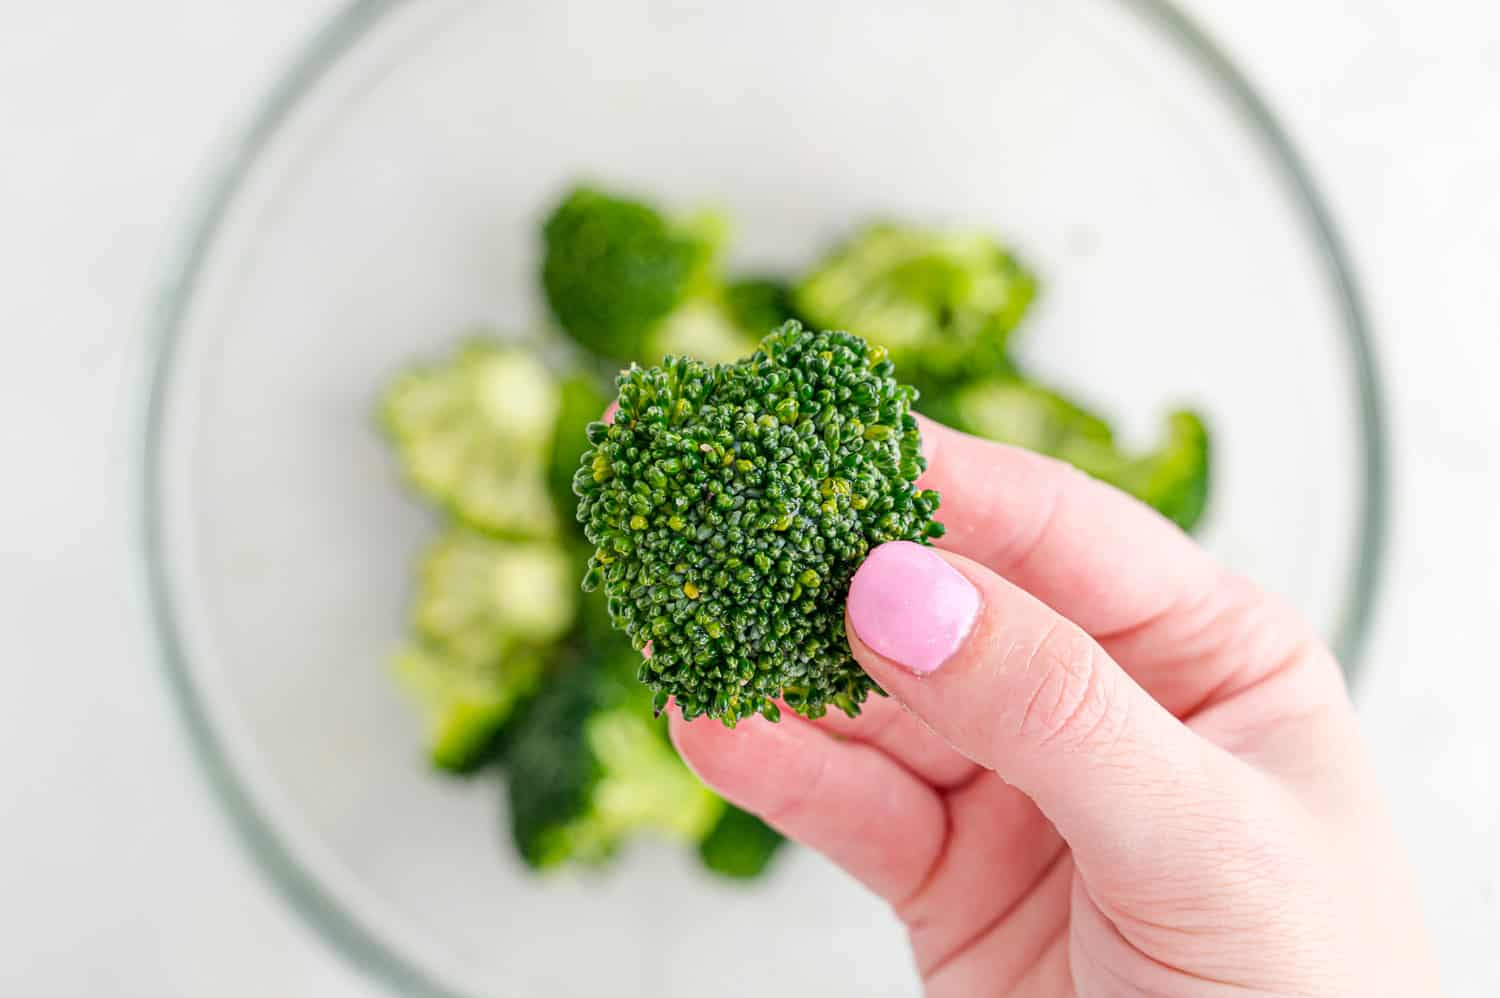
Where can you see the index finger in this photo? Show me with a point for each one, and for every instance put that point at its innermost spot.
(1125, 574)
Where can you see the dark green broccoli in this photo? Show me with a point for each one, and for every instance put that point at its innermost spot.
(614, 269)
(588, 768)
(729, 506)
(943, 303)
(580, 401)
(472, 434)
(1173, 478)
(739, 845)
(758, 304)
(487, 614)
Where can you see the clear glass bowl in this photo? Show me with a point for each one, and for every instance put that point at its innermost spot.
(386, 195)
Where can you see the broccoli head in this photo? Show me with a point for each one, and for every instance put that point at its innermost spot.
(588, 767)
(943, 303)
(486, 617)
(739, 845)
(729, 505)
(473, 434)
(615, 268)
(1173, 478)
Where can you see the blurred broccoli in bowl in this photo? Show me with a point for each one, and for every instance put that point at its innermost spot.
(517, 673)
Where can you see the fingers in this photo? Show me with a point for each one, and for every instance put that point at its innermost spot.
(1024, 692)
(887, 725)
(852, 803)
(1123, 573)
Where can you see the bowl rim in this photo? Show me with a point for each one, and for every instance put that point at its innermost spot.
(177, 278)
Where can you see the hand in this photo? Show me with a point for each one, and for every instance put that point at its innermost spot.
(1106, 767)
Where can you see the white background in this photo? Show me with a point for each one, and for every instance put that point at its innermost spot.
(118, 875)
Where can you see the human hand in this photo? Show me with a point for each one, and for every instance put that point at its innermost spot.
(1106, 767)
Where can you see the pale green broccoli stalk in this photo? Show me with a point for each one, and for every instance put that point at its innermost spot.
(943, 303)
(1173, 477)
(588, 768)
(487, 615)
(472, 435)
(739, 845)
(630, 284)
(729, 505)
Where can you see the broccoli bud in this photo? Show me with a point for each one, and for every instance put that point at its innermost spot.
(729, 505)
(943, 303)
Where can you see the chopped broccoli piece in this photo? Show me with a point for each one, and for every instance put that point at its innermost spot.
(615, 268)
(1173, 478)
(701, 329)
(472, 434)
(486, 615)
(739, 845)
(943, 303)
(581, 402)
(475, 589)
(729, 506)
(1025, 414)
(589, 767)
(758, 305)
(466, 702)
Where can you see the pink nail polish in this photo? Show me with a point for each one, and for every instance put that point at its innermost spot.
(911, 606)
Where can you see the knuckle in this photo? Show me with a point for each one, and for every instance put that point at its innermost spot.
(1068, 700)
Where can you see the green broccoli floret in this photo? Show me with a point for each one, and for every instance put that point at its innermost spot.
(486, 617)
(473, 435)
(943, 303)
(729, 506)
(466, 703)
(1173, 478)
(739, 845)
(588, 767)
(758, 305)
(581, 400)
(614, 269)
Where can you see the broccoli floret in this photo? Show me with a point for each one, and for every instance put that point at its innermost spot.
(943, 303)
(487, 614)
(739, 845)
(466, 703)
(473, 435)
(589, 767)
(702, 329)
(729, 506)
(615, 268)
(581, 400)
(631, 285)
(1173, 478)
(758, 305)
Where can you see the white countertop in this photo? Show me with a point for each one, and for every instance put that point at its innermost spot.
(119, 875)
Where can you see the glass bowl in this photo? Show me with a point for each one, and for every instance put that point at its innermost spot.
(386, 195)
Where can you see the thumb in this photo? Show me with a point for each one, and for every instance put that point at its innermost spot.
(1024, 692)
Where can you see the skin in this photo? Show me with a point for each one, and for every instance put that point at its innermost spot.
(1131, 773)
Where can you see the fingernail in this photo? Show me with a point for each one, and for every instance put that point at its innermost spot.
(910, 606)
(609, 412)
